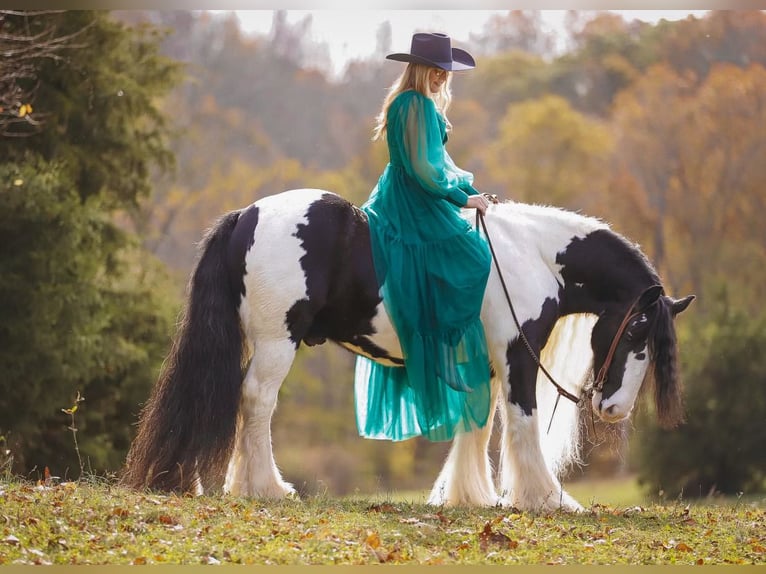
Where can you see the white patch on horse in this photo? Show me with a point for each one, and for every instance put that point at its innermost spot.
(274, 278)
(619, 405)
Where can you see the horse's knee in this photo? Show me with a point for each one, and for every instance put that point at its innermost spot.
(269, 366)
(257, 393)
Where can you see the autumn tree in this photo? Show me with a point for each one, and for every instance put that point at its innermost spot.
(695, 183)
(693, 45)
(504, 79)
(649, 122)
(608, 54)
(721, 181)
(547, 152)
(521, 30)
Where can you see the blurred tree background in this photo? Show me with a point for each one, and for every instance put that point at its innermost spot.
(124, 135)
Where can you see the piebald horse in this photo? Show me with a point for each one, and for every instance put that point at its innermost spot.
(296, 267)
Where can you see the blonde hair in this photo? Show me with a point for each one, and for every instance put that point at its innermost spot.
(414, 77)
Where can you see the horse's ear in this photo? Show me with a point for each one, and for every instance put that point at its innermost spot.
(679, 305)
(650, 296)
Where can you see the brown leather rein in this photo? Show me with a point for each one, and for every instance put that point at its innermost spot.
(598, 384)
(600, 380)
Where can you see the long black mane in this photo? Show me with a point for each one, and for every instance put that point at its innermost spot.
(663, 349)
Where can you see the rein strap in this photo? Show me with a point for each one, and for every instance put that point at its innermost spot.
(598, 384)
(561, 390)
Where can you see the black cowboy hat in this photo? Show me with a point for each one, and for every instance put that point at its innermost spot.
(435, 50)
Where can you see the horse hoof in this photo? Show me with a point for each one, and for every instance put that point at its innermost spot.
(486, 502)
(561, 502)
(564, 502)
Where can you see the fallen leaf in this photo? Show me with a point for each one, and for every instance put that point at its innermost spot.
(681, 547)
(372, 539)
(488, 536)
(384, 556)
(139, 561)
(385, 507)
(11, 539)
(438, 516)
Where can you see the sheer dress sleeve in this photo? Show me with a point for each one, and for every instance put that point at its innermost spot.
(427, 160)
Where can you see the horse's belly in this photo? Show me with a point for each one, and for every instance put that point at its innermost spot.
(382, 345)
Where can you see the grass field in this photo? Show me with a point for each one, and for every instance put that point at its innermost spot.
(96, 522)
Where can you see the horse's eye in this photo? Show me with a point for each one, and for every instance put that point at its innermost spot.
(635, 324)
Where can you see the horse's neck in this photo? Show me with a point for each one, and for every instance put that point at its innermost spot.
(583, 248)
(541, 230)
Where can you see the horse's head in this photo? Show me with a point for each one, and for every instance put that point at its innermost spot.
(625, 344)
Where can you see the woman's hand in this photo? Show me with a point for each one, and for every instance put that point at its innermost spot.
(478, 202)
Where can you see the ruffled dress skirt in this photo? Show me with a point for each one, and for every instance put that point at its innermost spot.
(432, 268)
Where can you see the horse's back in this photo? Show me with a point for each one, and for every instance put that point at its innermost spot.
(308, 271)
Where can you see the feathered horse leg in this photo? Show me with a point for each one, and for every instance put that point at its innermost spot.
(466, 477)
(252, 469)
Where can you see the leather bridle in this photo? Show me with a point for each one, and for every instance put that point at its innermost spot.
(598, 383)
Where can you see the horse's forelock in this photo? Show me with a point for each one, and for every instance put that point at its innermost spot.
(664, 351)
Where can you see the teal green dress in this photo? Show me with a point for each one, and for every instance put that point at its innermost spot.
(432, 267)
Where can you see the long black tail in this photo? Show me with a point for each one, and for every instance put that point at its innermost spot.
(186, 429)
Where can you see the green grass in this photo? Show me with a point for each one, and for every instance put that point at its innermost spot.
(622, 491)
(91, 522)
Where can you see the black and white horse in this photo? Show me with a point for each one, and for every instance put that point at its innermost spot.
(296, 267)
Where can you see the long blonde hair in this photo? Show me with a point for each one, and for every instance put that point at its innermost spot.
(414, 77)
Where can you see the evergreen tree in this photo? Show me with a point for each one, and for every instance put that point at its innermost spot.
(720, 449)
(83, 309)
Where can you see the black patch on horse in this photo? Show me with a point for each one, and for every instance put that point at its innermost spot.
(583, 263)
(521, 366)
(242, 239)
(341, 285)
